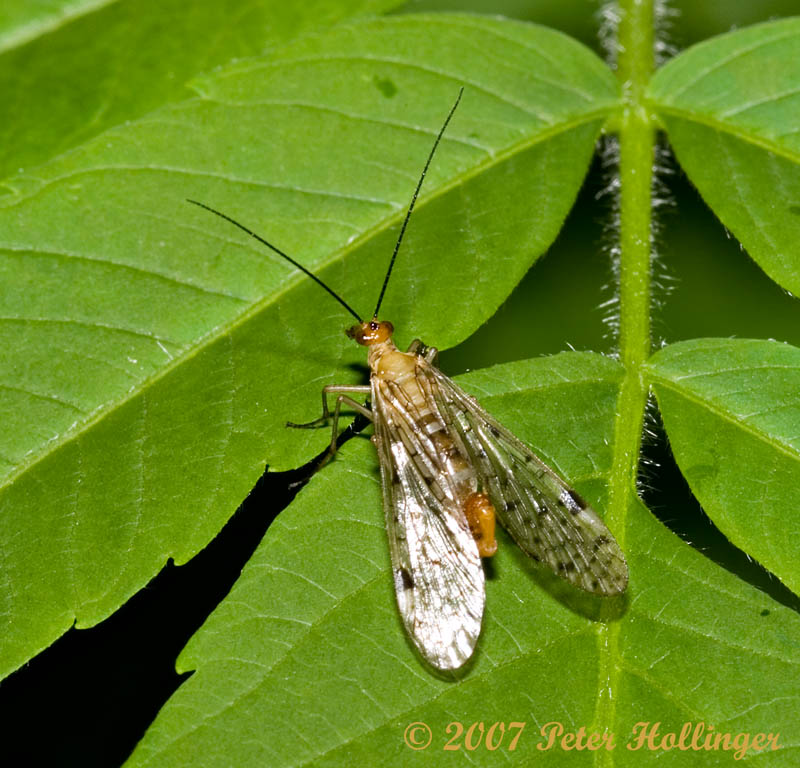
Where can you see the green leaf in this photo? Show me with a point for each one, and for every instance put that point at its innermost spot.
(69, 70)
(143, 401)
(306, 663)
(731, 107)
(731, 409)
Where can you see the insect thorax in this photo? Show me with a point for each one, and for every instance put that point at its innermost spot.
(387, 362)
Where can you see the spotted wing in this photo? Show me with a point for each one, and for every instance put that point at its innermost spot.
(548, 520)
(438, 575)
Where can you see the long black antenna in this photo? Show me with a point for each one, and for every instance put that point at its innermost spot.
(413, 201)
(281, 253)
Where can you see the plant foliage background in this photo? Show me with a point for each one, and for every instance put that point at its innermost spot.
(150, 357)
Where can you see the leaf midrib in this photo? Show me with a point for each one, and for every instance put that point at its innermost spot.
(257, 307)
(727, 415)
(66, 15)
(730, 129)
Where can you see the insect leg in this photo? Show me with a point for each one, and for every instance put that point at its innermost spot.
(358, 407)
(333, 389)
(431, 354)
(417, 347)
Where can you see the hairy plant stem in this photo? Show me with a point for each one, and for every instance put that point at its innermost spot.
(636, 135)
(636, 155)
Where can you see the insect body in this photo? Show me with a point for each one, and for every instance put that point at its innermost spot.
(447, 469)
(429, 484)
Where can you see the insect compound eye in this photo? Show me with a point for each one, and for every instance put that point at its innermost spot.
(371, 332)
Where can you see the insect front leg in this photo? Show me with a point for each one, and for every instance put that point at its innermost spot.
(336, 389)
(339, 390)
(362, 409)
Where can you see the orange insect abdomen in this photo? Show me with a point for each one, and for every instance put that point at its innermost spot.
(481, 518)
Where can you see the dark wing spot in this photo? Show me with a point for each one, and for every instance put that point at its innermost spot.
(600, 541)
(570, 566)
(577, 499)
(595, 584)
(511, 505)
(408, 581)
(495, 431)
